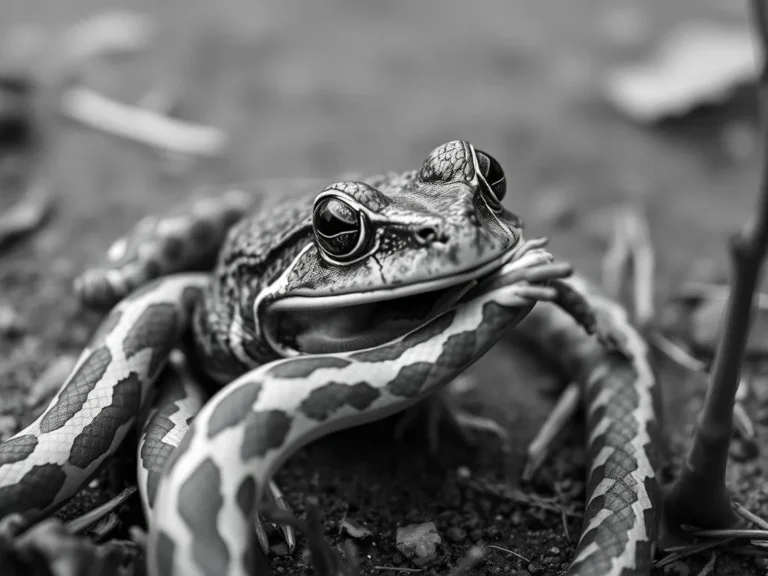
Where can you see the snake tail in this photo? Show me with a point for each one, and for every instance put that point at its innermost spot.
(623, 411)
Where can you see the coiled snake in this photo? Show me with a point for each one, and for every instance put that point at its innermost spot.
(320, 315)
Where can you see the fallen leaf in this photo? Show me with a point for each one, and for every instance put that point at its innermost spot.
(698, 64)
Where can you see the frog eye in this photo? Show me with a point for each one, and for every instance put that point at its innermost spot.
(340, 229)
(492, 174)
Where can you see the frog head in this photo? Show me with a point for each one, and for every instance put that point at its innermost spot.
(391, 253)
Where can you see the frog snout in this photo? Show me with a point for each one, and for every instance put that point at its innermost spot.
(430, 233)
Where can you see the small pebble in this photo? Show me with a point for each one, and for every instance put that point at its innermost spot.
(463, 473)
(355, 529)
(534, 568)
(418, 542)
(554, 551)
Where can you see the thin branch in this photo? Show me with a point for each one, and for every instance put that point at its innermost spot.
(702, 478)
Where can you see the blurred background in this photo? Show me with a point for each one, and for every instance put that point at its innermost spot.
(315, 89)
(588, 105)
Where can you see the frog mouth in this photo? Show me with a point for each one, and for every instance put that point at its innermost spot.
(356, 321)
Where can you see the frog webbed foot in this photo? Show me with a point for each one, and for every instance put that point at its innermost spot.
(445, 405)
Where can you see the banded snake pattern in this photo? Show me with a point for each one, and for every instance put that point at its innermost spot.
(239, 438)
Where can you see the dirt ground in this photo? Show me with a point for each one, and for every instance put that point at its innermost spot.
(317, 89)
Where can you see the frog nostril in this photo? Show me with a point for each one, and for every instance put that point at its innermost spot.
(429, 233)
(473, 218)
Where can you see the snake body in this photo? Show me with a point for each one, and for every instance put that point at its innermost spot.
(622, 402)
(48, 461)
(202, 479)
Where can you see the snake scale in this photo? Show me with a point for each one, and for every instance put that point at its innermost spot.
(323, 314)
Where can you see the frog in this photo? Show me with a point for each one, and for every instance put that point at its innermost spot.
(236, 335)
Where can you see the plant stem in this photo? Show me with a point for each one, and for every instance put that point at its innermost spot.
(699, 497)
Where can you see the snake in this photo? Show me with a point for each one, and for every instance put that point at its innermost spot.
(321, 313)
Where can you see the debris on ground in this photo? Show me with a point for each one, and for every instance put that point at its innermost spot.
(355, 529)
(418, 542)
(48, 548)
(698, 64)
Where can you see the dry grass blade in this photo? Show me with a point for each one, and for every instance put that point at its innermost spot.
(742, 421)
(675, 352)
(709, 567)
(631, 247)
(732, 533)
(325, 560)
(680, 552)
(515, 554)
(750, 516)
(90, 518)
(563, 516)
(541, 446)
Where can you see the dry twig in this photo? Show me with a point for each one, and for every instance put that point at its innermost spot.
(144, 126)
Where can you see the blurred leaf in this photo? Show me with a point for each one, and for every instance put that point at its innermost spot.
(698, 64)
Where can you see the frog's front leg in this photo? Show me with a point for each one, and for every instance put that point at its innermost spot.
(187, 238)
(181, 394)
(48, 461)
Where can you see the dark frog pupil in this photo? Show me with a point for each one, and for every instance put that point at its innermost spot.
(337, 227)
